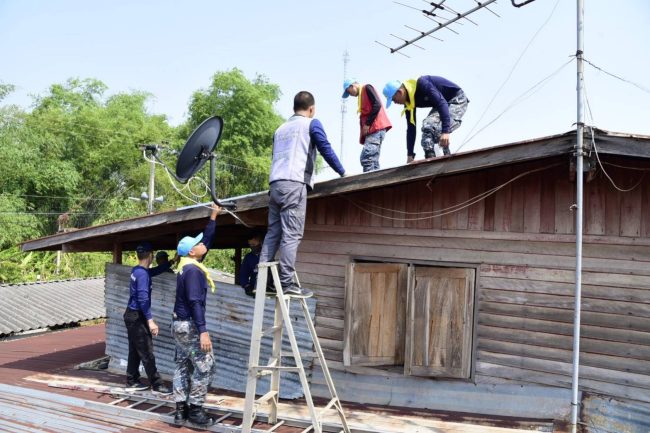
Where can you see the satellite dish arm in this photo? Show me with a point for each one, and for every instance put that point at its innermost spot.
(178, 179)
(227, 205)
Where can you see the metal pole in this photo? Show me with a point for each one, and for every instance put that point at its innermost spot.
(152, 175)
(579, 183)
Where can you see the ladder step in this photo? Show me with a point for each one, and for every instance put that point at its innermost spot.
(271, 330)
(263, 370)
(302, 354)
(278, 425)
(266, 397)
(330, 404)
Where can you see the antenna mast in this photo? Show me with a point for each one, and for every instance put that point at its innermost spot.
(344, 108)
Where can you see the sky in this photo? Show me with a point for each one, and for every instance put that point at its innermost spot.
(172, 48)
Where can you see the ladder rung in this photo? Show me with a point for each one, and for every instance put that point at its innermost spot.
(265, 368)
(276, 426)
(152, 408)
(266, 397)
(118, 401)
(228, 415)
(302, 355)
(329, 405)
(271, 330)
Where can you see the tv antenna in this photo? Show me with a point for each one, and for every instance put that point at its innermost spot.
(444, 16)
(199, 149)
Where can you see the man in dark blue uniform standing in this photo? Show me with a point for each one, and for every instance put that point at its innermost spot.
(139, 323)
(248, 270)
(194, 357)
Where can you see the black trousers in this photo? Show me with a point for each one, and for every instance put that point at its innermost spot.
(140, 348)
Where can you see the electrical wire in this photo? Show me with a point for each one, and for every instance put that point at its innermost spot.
(194, 201)
(512, 70)
(522, 97)
(638, 86)
(600, 163)
(457, 207)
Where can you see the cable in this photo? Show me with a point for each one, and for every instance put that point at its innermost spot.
(600, 163)
(528, 93)
(53, 196)
(512, 70)
(593, 143)
(458, 206)
(173, 184)
(617, 77)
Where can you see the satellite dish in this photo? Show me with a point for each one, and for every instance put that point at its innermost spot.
(198, 148)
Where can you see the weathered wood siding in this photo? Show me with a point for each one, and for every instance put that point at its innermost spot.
(521, 240)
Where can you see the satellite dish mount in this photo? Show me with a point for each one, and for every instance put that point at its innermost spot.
(199, 148)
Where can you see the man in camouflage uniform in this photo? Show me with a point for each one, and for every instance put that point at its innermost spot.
(448, 105)
(195, 364)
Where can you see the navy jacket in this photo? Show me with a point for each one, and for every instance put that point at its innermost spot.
(140, 288)
(247, 273)
(435, 92)
(192, 287)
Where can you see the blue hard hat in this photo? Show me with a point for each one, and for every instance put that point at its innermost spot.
(390, 89)
(347, 83)
(187, 243)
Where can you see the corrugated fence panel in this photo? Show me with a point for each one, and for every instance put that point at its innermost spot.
(40, 305)
(229, 315)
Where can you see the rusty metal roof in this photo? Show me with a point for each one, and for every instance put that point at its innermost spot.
(31, 306)
(165, 228)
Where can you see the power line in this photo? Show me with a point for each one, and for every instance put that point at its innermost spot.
(639, 86)
(53, 196)
(600, 163)
(522, 97)
(454, 208)
(514, 66)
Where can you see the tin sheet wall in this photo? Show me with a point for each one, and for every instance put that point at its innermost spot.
(229, 319)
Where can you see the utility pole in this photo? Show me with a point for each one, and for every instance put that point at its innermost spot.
(152, 176)
(344, 108)
(149, 196)
(578, 209)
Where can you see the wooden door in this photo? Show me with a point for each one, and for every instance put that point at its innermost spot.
(375, 314)
(440, 316)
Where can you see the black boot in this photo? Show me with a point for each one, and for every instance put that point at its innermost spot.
(429, 154)
(199, 416)
(182, 412)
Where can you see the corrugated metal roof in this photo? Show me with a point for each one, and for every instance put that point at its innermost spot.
(229, 316)
(173, 223)
(27, 410)
(41, 305)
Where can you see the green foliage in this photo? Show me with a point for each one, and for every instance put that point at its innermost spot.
(6, 89)
(247, 108)
(75, 153)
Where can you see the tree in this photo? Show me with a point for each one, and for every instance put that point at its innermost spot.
(250, 119)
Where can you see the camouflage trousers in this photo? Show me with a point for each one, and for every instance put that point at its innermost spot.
(432, 125)
(194, 368)
(371, 147)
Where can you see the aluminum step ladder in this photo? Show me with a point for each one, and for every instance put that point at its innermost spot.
(281, 322)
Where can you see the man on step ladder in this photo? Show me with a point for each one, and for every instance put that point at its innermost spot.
(295, 144)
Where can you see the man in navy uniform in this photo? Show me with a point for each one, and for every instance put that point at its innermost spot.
(248, 270)
(448, 105)
(194, 356)
(139, 323)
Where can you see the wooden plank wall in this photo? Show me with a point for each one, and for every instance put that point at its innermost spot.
(521, 241)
